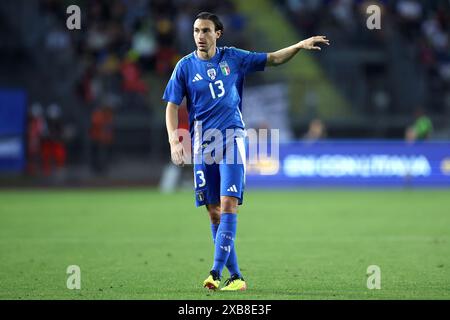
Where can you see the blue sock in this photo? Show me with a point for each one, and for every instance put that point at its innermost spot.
(214, 228)
(232, 264)
(224, 240)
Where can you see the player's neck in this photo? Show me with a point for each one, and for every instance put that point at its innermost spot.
(207, 55)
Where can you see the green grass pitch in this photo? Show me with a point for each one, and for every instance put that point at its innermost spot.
(300, 244)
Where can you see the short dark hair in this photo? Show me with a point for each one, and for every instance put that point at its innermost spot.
(218, 25)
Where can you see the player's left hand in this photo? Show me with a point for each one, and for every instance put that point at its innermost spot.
(311, 43)
(177, 153)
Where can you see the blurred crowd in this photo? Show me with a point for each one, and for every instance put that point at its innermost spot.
(427, 25)
(123, 40)
(424, 24)
(121, 45)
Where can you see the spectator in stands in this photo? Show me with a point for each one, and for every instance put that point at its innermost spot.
(410, 15)
(131, 74)
(343, 13)
(97, 38)
(101, 134)
(166, 59)
(36, 130)
(316, 131)
(58, 40)
(421, 129)
(86, 88)
(144, 44)
(184, 29)
(134, 88)
(53, 148)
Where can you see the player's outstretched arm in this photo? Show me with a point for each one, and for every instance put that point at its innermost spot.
(284, 55)
(176, 148)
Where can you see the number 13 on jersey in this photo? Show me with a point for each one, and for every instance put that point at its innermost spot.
(219, 85)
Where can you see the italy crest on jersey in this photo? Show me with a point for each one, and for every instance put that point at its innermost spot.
(225, 68)
(212, 73)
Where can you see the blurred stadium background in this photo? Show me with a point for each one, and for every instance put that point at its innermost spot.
(83, 109)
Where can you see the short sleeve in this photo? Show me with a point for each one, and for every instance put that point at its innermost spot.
(252, 61)
(175, 89)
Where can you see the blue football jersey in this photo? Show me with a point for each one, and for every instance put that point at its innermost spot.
(213, 88)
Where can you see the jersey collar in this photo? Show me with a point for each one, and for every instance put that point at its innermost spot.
(214, 59)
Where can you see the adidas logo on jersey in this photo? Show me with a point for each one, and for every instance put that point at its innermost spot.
(197, 78)
(226, 248)
(232, 188)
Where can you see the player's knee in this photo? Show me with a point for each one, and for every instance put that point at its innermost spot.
(214, 213)
(229, 204)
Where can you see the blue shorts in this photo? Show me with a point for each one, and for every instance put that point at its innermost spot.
(224, 177)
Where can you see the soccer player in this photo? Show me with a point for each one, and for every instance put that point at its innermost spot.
(211, 78)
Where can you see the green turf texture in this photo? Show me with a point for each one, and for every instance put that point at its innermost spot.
(301, 244)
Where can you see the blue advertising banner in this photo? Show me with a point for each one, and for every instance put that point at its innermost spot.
(354, 163)
(12, 130)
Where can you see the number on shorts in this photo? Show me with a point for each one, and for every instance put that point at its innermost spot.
(201, 176)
